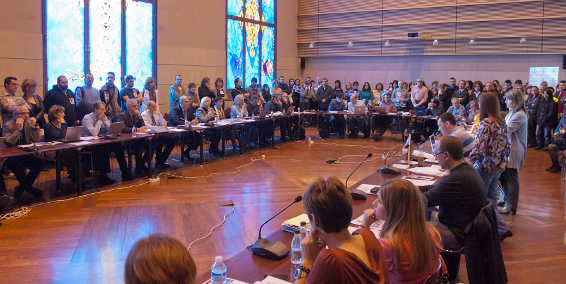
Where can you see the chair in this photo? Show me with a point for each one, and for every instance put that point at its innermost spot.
(166, 116)
(434, 277)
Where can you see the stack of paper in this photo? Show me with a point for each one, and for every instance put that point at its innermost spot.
(295, 223)
(271, 280)
(375, 227)
(368, 187)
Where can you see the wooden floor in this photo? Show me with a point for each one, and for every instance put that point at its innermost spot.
(86, 239)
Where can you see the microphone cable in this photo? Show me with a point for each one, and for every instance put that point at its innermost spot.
(213, 228)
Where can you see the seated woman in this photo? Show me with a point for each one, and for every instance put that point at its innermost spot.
(206, 113)
(411, 246)
(56, 129)
(356, 258)
(159, 259)
(240, 110)
(230, 131)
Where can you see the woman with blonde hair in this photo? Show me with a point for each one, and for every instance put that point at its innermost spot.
(159, 259)
(35, 102)
(149, 93)
(411, 246)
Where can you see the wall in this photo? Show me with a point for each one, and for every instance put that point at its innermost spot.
(190, 41)
(430, 68)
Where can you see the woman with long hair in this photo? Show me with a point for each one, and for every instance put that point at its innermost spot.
(411, 246)
(149, 93)
(366, 95)
(516, 122)
(378, 93)
(205, 89)
(219, 91)
(338, 90)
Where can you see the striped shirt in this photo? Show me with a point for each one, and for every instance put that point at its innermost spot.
(468, 141)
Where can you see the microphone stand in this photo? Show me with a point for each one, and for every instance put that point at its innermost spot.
(369, 155)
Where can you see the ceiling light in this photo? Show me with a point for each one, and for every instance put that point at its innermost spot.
(472, 41)
(435, 42)
(387, 43)
(523, 40)
(311, 45)
(350, 44)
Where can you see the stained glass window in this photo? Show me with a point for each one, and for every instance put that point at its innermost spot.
(65, 57)
(139, 42)
(65, 47)
(105, 40)
(250, 42)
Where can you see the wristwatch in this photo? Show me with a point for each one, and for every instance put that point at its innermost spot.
(302, 272)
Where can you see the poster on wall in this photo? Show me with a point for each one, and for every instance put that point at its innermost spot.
(539, 74)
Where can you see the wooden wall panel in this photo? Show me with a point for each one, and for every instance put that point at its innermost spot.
(496, 26)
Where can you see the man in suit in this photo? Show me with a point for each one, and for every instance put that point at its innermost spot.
(185, 115)
(132, 118)
(324, 96)
(22, 130)
(462, 93)
(152, 117)
(61, 95)
(96, 123)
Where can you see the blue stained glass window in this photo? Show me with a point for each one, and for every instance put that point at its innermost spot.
(235, 54)
(139, 42)
(65, 42)
(236, 8)
(105, 40)
(267, 55)
(252, 53)
(252, 10)
(268, 11)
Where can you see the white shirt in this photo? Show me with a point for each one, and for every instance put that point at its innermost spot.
(146, 116)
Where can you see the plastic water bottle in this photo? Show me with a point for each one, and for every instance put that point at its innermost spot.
(134, 131)
(218, 271)
(186, 123)
(304, 230)
(296, 253)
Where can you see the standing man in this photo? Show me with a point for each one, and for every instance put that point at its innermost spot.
(420, 94)
(10, 100)
(238, 90)
(324, 96)
(176, 91)
(86, 97)
(255, 90)
(61, 95)
(129, 92)
(283, 86)
(462, 93)
(307, 95)
(453, 86)
(152, 117)
(109, 94)
(561, 97)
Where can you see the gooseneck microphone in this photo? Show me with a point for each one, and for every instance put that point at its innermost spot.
(393, 170)
(356, 193)
(270, 249)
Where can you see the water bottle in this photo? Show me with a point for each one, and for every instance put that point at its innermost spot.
(218, 271)
(186, 123)
(134, 131)
(304, 230)
(296, 253)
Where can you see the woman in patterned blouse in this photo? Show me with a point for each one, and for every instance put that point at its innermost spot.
(490, 155)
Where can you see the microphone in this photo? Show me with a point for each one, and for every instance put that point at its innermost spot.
(356, 193)
(394, 170)
(272, 249)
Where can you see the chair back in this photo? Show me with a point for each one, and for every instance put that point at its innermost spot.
(166, 116)
(227, 112)
(434, 277)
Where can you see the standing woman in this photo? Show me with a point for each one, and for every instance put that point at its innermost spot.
(516, 122)
(149, 93)
(34, 101)
(347, 95)
(204, 90)
(411, 246)
(219, 91)
(338, 89)
(296, 93)
(366, 95)
(532, 108)
(266, 93)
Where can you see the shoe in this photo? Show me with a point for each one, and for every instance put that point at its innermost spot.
(18, 191)
(140, 171)
(506, 210)
(505, 235)
(530, 146)
(4, 200)
(500, 203)
(35, 192)
(538, 147)
(105, 180)
(545, 148)
(162, 166)
(555, 170)
(550, 169)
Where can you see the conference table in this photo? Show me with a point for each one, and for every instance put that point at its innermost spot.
(250, 268)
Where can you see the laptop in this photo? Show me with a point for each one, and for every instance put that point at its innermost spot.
(360, 110)
(73, 134)
(420, 111)
(263, 114)
(158, 129)
(379, 109)
(290, 110)
(115, 130)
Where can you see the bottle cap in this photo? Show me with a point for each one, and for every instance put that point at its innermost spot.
(303, 223)
(218, 259)
(297, 231)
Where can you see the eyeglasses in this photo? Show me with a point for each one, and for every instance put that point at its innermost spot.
(437, 154)
(23, 113)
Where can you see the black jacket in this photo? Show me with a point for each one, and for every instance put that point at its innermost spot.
(131, 121)
(177, 117)
(545, 112)
(324, 92)
(65, 99)
(464, 95)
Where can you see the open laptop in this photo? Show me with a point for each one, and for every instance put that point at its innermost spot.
(290, 110)
(263, 114)
(115, 130)
(420, 111)
(360, 110)
(379, 109)
(73, 134)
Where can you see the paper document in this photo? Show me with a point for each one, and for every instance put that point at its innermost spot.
(176, 129)
(375, 227)
(428, 171)
(228, 281)
(82, 143)
(427, 156)
(89, 138)
(272, 280)
(296, 221)
(368, 187)
(420, 182)
(403, 167)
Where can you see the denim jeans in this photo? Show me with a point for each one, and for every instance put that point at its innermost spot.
(490, 180)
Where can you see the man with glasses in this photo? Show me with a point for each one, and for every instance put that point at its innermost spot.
(9, 100)
(109, 94)
(23, 130)
(62, 96)
(460, 196)
(447, 125)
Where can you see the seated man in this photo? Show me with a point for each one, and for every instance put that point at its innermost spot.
(96, 123)
(434, 109)
(276, 106)
(132, 118)
(338, 121)
(22, 130)
(557, 146)
(152, 117)
(447, 125)
(263, 128)
(185, 115)
(382, 122)
(460, 196)
(293, 120)
(356, 123)
(457, 110)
